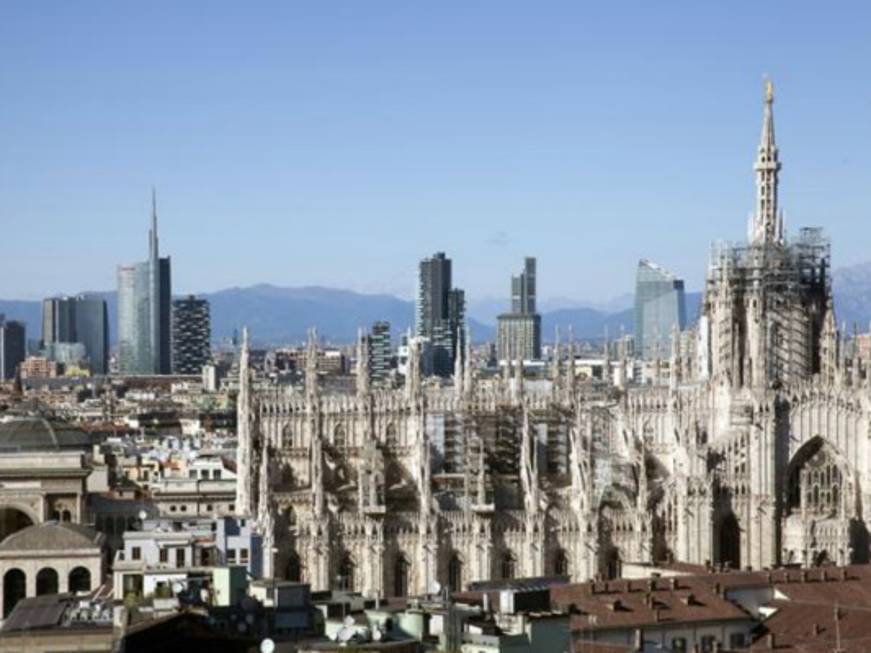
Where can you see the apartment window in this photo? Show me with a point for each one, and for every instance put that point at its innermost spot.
(231, 556)
(209, 507)
(708, 643)
(243, 556)
(679, 645)
(216, 473)
(232, 507)
(136, 553)
(184, 508)
(172, 508)
(164, 554)
(192, 473)
(179, 557)
(737, 640)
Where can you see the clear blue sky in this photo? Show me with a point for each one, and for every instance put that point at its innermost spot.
(337, 143)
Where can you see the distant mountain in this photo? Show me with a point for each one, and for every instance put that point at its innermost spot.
(278, 315)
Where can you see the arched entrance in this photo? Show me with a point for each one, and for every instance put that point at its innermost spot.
(46, 581)
(294, 568)
(730, 541)
(345, 578)
(13, 520)
(455, 573)
(80, 580)
(14, 589)
(400, 576)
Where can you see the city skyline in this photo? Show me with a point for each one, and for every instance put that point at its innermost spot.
(519, 143)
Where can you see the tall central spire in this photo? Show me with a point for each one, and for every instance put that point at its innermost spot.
(767, 225)
(152, 234)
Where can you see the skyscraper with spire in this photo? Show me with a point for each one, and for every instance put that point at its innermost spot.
(144, 310)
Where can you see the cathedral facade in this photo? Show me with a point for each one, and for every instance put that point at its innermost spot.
(748, 447)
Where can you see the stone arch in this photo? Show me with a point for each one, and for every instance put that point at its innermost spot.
(46, 581)
(819, 478)
(401, 576)
(508, 566)
(729, 541)
(80, 580)
(391, 438)
(340, 436)
(14, 589)
(346, 571)
(15, 517)
(561, 565)
(455, 572)
(293, 571)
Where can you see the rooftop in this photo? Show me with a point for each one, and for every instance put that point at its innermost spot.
(52, 536)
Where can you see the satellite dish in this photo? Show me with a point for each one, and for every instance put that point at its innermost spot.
(348, 621)
(435, 587)
(142, 515)
(267, 646)
(377, 635)
(177, 587)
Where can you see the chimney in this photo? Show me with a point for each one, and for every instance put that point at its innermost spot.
(804, 575)
(674, 584)
(639, 639)
(817, 630)
(770, 641)
(824, 576)
(628, 586)
(843, 574)
(656, 615)
(718, 589)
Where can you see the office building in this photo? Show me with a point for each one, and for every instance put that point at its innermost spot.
(380, 352)
(440, 312)
(518, 333)
(144, 308)
(13, 347)
(660, 307)
(191, 335)
(80, 320)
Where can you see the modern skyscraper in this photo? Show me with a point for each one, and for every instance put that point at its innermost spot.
(144, 309)
(660, 306)
(519, 332)
(191, 335)
(13, 346)
(380, 352)
(83, 319)
(441, 311)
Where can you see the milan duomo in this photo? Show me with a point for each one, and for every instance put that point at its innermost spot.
(747, 445)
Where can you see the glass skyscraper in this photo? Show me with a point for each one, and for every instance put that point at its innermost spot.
(144, 311)
(660, 305)
(441, 312)
(83, 319)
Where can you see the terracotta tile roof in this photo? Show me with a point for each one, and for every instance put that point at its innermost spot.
(804, 621)
(630, 604)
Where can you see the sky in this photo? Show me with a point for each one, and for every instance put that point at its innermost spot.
(337, 143)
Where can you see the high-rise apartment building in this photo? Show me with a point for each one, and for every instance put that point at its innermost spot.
(441, 311)
(144, 309)
(380, 352)
(83, 319)
(519, 332)
(13, 346)
(191, 335)
(660, 307)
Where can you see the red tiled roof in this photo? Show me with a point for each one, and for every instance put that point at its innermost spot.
(631, 604)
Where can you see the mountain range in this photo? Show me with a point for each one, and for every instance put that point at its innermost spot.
(279, 315)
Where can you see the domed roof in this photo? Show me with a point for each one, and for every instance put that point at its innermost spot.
(52, 536)
(40, 434)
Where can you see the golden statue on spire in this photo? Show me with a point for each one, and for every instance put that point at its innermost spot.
(769, 91)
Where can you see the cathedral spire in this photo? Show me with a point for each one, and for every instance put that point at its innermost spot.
(767, 223)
